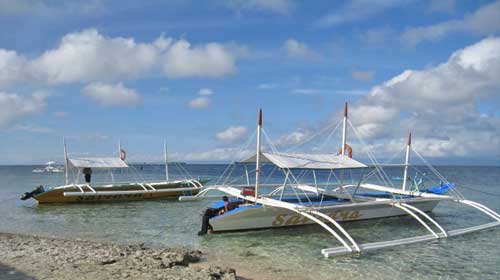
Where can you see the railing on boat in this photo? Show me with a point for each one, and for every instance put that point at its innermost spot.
(195, 185)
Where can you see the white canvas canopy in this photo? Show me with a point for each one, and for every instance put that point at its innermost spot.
(97, 162)
(308, 161)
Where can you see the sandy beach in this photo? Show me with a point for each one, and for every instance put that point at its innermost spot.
(34, 257)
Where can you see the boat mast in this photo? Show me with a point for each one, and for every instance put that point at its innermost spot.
(257, 158)
(407, 159)
(119, 148)
(344, 130)
(65, 161)
(165, 158)
(342, 151)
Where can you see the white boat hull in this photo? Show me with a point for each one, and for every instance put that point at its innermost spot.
(260, 217)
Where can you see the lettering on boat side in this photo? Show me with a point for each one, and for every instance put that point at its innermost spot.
(109, 197)
(290, 220)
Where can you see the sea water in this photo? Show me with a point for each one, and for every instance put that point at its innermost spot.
(289, 253)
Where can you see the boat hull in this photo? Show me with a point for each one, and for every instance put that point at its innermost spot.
(259, 217)
(116, 193)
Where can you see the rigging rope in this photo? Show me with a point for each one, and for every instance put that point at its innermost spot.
(371, 156)
(310, 138)
(273, 148)
(230, 168)
(441, 177)
(484, 192)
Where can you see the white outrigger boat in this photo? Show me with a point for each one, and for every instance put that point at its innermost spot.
(294, 203)
(80, 192)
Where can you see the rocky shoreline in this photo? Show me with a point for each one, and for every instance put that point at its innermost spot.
(33, 257)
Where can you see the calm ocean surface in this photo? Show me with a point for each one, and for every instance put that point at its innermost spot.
(293, 253)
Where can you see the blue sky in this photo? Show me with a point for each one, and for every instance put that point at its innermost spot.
(196, 72)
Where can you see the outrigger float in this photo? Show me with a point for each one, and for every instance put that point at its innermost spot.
(295, 203)
(77, 192)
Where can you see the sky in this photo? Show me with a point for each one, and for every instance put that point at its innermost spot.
(195, 73)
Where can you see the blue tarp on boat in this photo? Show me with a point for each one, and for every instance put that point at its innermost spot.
(441, 189)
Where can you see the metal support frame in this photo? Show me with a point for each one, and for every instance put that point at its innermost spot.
(425, 216)
(246, 175)
(433, 236)
(481, 208)
(165, 158)
(257, 157)
(411, 213)
(284, 184)
(66, 178)
(407, 160)
(339, 227)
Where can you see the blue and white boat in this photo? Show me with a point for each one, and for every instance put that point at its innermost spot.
(329, 204)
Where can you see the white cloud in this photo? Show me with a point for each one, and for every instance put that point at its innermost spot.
(440, 104)
(97, 136)
(232, 133)
(205, 92)
(14, 107)
(210, 60)
(447, 6)
(363, 76)
(358, 10)
(282, 7)
(111, 94)
(23, 7)
(51, 8)
(33, 128)
(298, 49)
(317, 91)
(164, 90)
(378, 35)
(88, 56)
(200, 102)
(486, 20)
(60, 114)
(12, 68)
(293, 138)
(218, 154)
(266, 86)
(351, 92)
(308, 91)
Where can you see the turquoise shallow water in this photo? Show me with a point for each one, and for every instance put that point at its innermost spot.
(289, 253)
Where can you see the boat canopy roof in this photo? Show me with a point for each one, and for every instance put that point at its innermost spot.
(308, 161)
(97, 162)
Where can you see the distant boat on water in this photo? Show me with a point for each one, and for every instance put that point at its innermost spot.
(49, 168)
